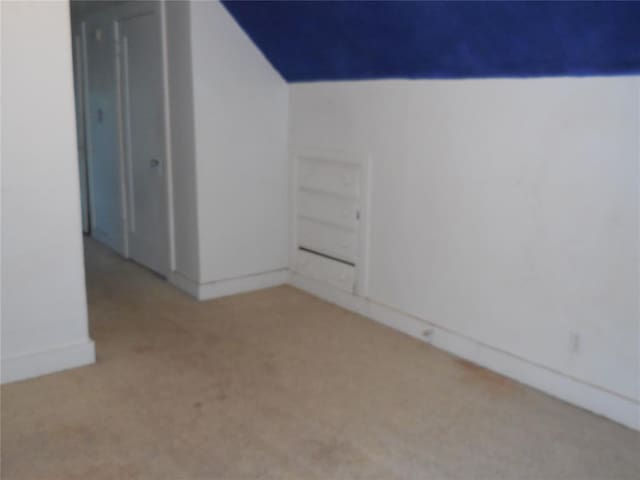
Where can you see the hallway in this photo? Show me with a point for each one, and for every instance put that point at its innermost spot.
(277, 384)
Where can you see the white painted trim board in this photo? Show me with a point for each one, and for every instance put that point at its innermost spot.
(230, 286)
(34, 364)
(608, 404)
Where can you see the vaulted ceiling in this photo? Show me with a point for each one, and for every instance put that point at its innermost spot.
(345, 40)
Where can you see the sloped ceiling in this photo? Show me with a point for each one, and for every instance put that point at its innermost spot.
(349, 40)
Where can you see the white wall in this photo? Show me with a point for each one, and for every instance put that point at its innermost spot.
(506, 212)
(44, 313)
(241, 115)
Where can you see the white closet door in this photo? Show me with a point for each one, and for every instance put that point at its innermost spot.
(143, 139)
(327, 226)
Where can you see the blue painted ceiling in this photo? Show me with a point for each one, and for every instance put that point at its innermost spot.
(349, 40)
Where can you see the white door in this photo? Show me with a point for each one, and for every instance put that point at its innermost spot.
(106, 205)
(143, 139)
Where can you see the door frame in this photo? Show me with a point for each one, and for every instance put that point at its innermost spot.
(78, 48)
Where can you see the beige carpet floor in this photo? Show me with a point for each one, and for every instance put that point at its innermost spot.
(276, 384)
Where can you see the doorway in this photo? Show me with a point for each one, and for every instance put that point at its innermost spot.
(120, 92)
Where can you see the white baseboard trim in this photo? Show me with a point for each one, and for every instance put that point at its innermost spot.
(183, 283)
(34, 364)
(231, 286)
(608, 404)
